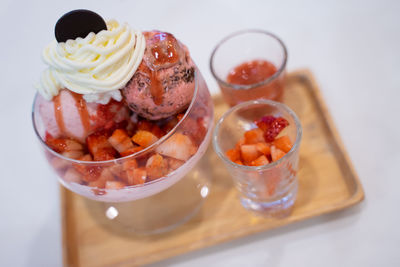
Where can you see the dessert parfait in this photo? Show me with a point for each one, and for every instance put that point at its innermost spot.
(122, 114)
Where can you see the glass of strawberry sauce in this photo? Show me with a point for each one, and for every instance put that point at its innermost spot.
(249, 64)
(258, 142)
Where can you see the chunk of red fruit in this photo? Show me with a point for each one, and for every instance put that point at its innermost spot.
(271, 126)
(275, 128)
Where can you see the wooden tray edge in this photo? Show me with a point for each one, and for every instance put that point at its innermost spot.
(308, 76)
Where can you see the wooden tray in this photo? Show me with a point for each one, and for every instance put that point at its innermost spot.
(327, 182)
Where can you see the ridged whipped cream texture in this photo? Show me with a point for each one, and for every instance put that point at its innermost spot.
(96, 66)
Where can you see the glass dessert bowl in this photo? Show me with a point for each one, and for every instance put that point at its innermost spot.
(137, 154)
(128, 178)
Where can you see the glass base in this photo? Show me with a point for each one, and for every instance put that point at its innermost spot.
(276, 208)
(158, 213)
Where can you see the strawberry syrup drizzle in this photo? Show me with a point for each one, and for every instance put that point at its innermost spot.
(81, 106)
(164, 52)
(59, 114)
(156, 89)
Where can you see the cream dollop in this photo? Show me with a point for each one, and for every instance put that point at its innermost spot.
(96, 66)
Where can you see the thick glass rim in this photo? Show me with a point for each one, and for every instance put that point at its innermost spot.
(254, 85)
(134, 155)
(221, 154)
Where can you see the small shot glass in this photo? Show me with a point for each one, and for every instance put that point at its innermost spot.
(271, 189)
(244, 47)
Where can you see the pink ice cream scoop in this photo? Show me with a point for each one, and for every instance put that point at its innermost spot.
(69, 115)
(164, 84)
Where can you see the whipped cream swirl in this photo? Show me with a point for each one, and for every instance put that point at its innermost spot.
(96, 66)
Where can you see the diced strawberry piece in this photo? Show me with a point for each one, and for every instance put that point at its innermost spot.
(178, 146)
(74, 154)
(266, 119)
(271, 126)
(115, 185)
(109, 113)
(130, 164)
(191, 128)
(144, 138)
(105, 154)
(156, 130)
(174, 164)
(238, 162)
(180, 116)
(170, 124)
(144, 125)
(263, 126)
(241, 142)
(136, 176)
(263, 148)
(97, 141)
(156, 167)
(111, 126)
(120, 140)
(261, 160)
(130, 128)
(59, 163)
(118, 172)
(104, 177)
(283, 143)
(249, 153)
(99, 146)
(254, 136)
(265, 122)
(72, 176)
(276, 153)
(131, 151)
(127, 171)
(61, 145)
(89, 173)
(233, 154)
(199, 131)
(86, 157)
(275, 128)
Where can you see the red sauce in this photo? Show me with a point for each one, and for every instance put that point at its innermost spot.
(253, 72)
(156, 89)
(80, 104)
(164, 50)
(58, 114)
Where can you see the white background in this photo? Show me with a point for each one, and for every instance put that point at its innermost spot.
(351, 46)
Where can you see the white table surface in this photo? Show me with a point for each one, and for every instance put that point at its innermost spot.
(351, 46)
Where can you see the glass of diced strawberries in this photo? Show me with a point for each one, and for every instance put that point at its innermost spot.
(146, 163)
(258, 142)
